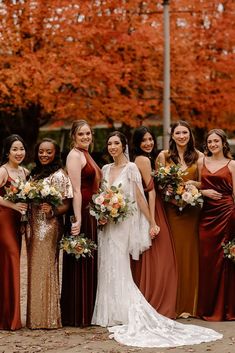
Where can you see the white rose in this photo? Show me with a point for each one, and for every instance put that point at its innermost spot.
(99, 200)
(187, 197)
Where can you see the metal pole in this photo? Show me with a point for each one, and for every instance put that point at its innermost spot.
(166, 75)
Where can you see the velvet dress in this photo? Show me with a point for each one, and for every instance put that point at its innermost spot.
(156, 271)
(10, 242)
(217, 274)
(184, 227)
(79, 280)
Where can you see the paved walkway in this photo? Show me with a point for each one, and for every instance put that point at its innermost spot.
(95, 339)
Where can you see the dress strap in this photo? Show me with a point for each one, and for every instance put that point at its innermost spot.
(8, 176)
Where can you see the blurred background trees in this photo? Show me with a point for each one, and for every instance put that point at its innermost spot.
(103, 61)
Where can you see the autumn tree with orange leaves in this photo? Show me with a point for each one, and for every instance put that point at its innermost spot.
(103, 61)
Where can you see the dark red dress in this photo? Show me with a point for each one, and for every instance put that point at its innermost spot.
(156, 272)
(217, 274)
(10, 241)
(79, 279)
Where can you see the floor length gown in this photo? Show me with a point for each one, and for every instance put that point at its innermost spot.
(156, 271)
(217, 274)
(80, 276)
(43, 303)
(119, 303)
(184, 228)
(10, 242)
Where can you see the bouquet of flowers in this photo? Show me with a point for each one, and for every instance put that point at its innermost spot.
(182, 194)
(78, 246)
(110, 205)
(169, 175)
(32, 191)
(45, 192)
(187, 194)
(229, 249)
(20, 191)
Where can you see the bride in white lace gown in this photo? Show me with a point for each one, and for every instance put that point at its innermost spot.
(120, 305)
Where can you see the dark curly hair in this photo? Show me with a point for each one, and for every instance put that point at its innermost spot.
(137, 138)
(42, 171)
(223, 136)
(7, 143)
(191, 154)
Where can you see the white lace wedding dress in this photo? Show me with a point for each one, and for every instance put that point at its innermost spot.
(120, 306)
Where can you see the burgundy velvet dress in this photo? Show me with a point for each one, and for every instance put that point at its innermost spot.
(217, 274)
(10, 241)
(79, 278)
(156, 272)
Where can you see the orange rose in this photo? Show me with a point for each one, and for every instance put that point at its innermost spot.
(232, 250)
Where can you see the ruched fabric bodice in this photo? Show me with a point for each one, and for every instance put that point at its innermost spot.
(217, 274)
(10, 242)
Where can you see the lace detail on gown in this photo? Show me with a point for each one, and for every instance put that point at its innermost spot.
(121, 305)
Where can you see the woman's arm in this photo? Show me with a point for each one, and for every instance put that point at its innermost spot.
(144, 166)
(232, 170)
(75, 162)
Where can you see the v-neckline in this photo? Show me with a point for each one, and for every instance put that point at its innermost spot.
(216, 171)
(114, 181)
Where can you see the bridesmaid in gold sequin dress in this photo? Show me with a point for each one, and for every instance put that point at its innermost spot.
(10, 237)
(45, 231)
(184, 225)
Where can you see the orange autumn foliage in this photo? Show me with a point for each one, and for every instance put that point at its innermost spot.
(103, 61)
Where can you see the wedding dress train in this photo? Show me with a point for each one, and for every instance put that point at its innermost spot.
(120, 305)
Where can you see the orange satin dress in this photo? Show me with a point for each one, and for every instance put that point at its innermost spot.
(184, 227)
(10, 242)
(217, 274)
(155, 273)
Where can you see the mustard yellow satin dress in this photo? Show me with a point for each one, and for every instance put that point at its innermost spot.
(184, 227)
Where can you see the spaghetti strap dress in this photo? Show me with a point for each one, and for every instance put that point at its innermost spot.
(217, 273)
(10, 244)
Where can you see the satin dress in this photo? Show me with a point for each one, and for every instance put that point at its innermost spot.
(10, 242)
(156, 271)
(79, 280)
(217, 274)
(43, 302)
(184, 228)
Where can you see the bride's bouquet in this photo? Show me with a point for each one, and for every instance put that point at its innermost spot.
(110, 205)
(229, 249)
(78, 246)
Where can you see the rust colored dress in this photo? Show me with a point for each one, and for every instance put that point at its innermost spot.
(184, 227)
(217, 274)
(10, 242)
(43, 302)
(79, 280)
(156, 272)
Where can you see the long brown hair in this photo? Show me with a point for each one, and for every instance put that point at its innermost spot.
(223, 136)
(191, 154)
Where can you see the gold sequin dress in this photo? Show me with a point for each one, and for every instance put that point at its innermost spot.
(43, 304)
